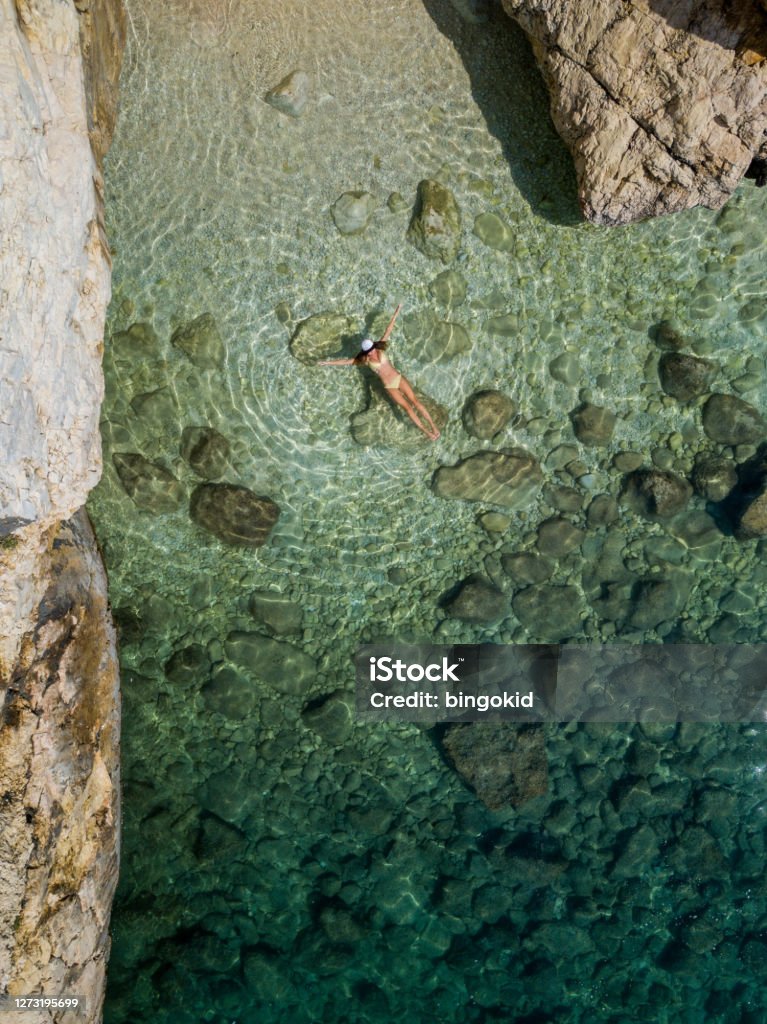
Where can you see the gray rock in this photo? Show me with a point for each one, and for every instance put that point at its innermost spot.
(494, 232)
(233, 514)
(396, 202)
(331, 718)
(713, 478)
(669, 335)
(487, 412)
(655, 601)
(138, 341)
(749, 500)
(449, 288)
(478, 601)
(206, 451)
(494, 522)
(228, 794)
(510, 477)
(602, 511)
(565, 368)
(435, 341)
(435, 227)
(201, 342)
(158, 411)
(558, 537)
(352, 211)
(685, 377)
(656, 493)
(565, 499)
(276, 663)
(592, 425)
(549, 612)
(230, 693)
(188, 666)
(505, 326)
(527, 567)
(276, 611)
(384, 423)
(322, 335)
(504, 763)
(151, 486)
(290, 95)
(730, 420)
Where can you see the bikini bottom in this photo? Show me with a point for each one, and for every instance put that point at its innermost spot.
(394, 384)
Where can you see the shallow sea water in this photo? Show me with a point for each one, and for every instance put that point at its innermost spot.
(272, 872)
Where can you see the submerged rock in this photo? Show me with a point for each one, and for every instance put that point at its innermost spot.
(321, 335)
(233, 514)
(331, 718)
(138, 341)
(511, 478)
(151, 486)
(656, 492)
(730, 420)
(657, 600)
(557, 537)
(527, 567)
(230, 693)
(504, 763)
(478, 601)
(435, 227)
(713, 478)
(449, 288)
(565, 368)
(279, 664)
(685, 377)
(748, 501)
(494, 232)
(290, 95)
(550, 612)
(592, 425)
(201, 342)
(384, 423)
(487, 412)
(206, 451)
(276, 611)
(352, 211)
(435, 341)
(669, 335)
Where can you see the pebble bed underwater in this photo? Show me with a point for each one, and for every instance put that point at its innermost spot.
(283, 861)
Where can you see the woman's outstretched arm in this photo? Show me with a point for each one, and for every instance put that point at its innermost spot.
(335, 362)
(390, 328)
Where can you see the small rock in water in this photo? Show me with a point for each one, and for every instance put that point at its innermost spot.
(322, 335)
(669, 335)
(352, 211)
(277, 663)
(549, 612)
(602, 511)
(396, 202)
(558, 537)
(507, 325)
(435, 341)
(510, 478)
(331, 718)
(656, 493)
(655, 601)
(276, 611)
(503, 762)
(565, 368)
(449, 288)
(139, 340)
(291, 95)
(713, 478)
(487, 412)
(592, 425)
(478, 601)
(685, 377)
(201, 342)
(749, 499)
(730, 420)
(230, 693)
(494, 522)
(494, 232)
(435, 227)
(233, 514)
(526, 567)
(151, 486)
(206, 451)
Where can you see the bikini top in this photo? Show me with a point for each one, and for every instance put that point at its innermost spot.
(384, 361)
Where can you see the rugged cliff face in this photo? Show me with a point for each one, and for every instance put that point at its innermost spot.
(59, 702)
(662, 104)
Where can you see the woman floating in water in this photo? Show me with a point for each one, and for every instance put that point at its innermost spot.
(373, 354)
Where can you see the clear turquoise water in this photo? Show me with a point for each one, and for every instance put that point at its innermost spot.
(274, 874)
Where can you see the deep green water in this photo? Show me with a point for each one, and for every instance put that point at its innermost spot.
(277, 872)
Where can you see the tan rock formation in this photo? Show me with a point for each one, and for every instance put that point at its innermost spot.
(59, 710)
(59, 772)
(662, 104)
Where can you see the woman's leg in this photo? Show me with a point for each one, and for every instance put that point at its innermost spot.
(397, 396)
(408, 392)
